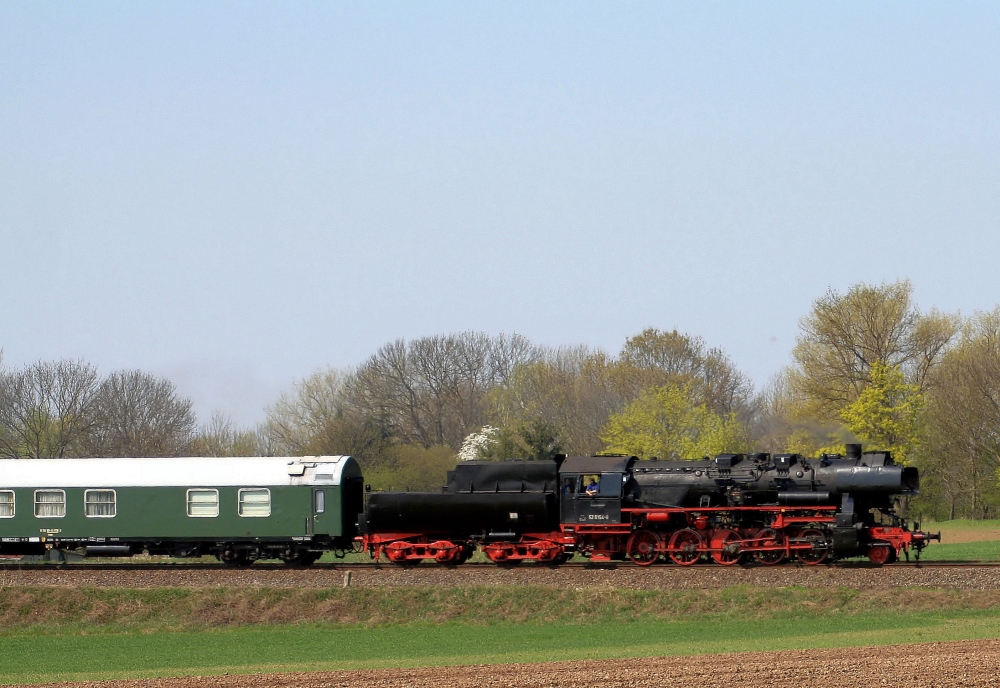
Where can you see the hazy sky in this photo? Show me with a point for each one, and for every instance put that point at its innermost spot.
(235, 194)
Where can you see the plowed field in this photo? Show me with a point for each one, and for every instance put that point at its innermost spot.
(931, 665)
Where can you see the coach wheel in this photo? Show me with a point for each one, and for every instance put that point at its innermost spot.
(725, 545)
(769, 537)
(300, 559)
(683, 547)
(815, 555)
(881, 554)
(235, 558)
(642, 547)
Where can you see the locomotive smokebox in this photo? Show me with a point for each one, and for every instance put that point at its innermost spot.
(878, 479)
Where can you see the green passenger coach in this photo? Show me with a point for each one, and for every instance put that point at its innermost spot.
(238, 509)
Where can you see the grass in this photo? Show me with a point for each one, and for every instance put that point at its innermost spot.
(42, 611)
(961, 524)
(985, 551)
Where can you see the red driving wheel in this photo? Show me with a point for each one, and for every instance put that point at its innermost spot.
(643, 547)
(684, 547)
(726, 549)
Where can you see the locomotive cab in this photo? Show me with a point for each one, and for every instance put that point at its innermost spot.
(592, 488)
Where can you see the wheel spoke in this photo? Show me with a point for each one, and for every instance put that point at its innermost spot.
(726, 547)
(768, 538)
(684, 547)
(819, 551)
(643, 547)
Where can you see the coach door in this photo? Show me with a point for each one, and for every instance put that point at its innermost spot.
(319, 517)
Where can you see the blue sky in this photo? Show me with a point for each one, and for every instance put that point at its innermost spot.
(234, 195)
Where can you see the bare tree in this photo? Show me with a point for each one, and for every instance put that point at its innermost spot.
(963, 420)
(137, 414)
(220, 438)
(298, 419)
(432, 391)
(46, 409)
(572, 391)
(315, 419)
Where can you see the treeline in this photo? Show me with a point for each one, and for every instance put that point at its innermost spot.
(868, 366)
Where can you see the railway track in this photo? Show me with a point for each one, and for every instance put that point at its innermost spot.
(372, 566)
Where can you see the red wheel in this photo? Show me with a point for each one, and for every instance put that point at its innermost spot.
(397, 553)
(683, 547)
(881, 553)
(819, 551)
(642, 547)
(726, 547)
(547, 552)
(501, 553)
(767, 539)
(444, 552)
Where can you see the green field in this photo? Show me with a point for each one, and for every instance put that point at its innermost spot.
(56, 634)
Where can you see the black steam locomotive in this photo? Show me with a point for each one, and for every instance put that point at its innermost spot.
(732, 508)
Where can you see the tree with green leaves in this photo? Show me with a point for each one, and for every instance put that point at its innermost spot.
(657, 358)
(886, 415)
(669, 423)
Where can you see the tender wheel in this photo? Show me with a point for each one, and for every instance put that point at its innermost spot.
(642, 547)
(465, 554)
(881, 554)
(726, 547)
(445, 552)
(813, 556)
(398, 553)
(561, 559)
(683, 547)
(769, 537)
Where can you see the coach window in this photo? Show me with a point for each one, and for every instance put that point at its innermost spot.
(6, 503)
(319, 501)
(99, 503)
(50, 503)
(255, 502)
(203, 503)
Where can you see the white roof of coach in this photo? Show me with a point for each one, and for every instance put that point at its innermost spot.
(249, 471)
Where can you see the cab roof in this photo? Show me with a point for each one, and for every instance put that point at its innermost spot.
(597, 464)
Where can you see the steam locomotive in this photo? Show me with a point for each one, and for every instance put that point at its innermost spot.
(729, 509)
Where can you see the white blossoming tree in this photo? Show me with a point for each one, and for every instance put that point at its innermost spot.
(476, 444)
